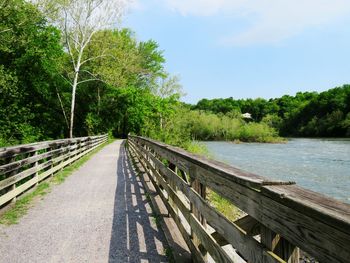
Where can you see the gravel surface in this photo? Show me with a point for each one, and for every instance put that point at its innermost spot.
(99, 214)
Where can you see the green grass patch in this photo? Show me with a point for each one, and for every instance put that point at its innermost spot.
(168, 252)
(21, 207)
(156, 218)
(223, 205)
(198, 148)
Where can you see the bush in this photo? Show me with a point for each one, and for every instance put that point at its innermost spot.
(208, 126)
(258, 132)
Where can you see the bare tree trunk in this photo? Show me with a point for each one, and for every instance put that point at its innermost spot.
(74, 89)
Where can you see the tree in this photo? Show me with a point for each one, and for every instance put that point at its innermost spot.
(79, 21)
(130, 65)
(170, 86)
(30, 54)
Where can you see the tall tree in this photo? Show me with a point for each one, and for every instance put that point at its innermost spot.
(80, 20)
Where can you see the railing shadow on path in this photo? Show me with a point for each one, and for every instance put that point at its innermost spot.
(135, 237)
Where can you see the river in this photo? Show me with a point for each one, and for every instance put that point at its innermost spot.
(321, 165)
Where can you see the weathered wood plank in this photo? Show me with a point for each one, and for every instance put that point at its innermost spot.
(318, 206)
(180, 251)
(249, 224)
(208, 241)
(248, 247)
(319, 225)
(196, 255)
(280, 246)
(320, 240)
(7, 152)
(19, 164)
(170, 191)
(17, 191)
(184, 160)
(55, 163)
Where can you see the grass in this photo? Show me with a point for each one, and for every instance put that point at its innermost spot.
(156, 218)
(221, 204)
(148, 196)
(21, 207)
(168, 252)
(224, 206)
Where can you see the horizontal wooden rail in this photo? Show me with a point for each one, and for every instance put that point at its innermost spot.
(24, 166)
(279, 217)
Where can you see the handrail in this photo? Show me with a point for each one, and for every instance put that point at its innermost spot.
(280, 217)
(24, 166)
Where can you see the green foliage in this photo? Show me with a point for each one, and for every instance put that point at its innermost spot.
(346, 124)
(124, 61)
(198, 148)
(197, 125)
(305, 114)
(258, 132)
(30, 54)
(121, 100)
(273, 121)
(168, 251)
(35, 96)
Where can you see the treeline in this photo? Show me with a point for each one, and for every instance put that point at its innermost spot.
(311, 114)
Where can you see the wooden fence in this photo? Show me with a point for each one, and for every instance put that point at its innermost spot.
(23, 167)
(279, 217)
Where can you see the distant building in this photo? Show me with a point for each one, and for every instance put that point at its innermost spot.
(247, 116)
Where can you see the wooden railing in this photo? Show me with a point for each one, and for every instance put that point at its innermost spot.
(23, 167)
(279, 217)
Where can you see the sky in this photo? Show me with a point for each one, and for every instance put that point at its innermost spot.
(248, 48)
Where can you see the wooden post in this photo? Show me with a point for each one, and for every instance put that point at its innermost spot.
(51, 159)
(201, 190)
(36, 168)
(280, 246)
(13, 187)
(173, 186)
(60, 147)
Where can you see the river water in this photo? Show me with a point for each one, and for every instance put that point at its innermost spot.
(321, 165)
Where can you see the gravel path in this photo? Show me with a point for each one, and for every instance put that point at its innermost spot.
(99, 214)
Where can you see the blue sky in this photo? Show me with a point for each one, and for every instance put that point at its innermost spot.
(248, 48)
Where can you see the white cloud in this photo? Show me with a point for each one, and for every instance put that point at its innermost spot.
(270, 20)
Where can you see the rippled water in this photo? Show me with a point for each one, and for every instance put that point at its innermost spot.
(322, 165)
